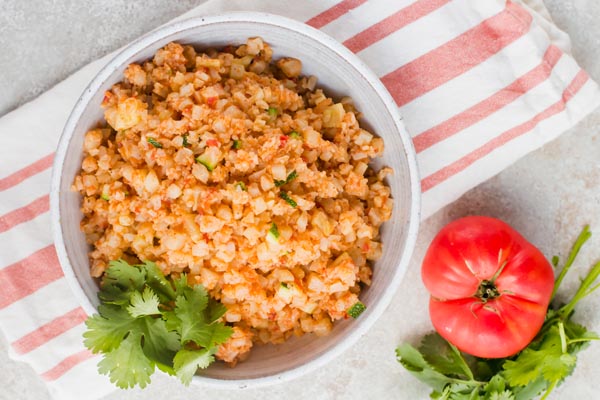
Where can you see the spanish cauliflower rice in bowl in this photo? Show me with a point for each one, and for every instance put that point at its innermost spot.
(260, 158)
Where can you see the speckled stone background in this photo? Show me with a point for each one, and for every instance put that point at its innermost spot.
(548, 196)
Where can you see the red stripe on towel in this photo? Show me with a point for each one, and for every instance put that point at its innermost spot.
(458, 56)
(49, 331)
(334, 13)
(24, 214)
(460, 165)
(35, 168)
(393, 23)
(490, 105)
(29, 275)
(65, 365)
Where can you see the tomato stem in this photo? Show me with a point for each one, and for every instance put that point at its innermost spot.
(497, 274)
(487, 291)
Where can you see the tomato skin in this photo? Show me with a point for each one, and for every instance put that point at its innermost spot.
(465, 256)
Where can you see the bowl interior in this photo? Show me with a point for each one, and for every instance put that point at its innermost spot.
(341, 74)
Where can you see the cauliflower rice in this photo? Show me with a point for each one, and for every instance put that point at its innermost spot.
(244, 175)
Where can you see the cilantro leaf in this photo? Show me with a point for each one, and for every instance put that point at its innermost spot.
(189, 314)
(504, 395)
(548, 362)
(215, 310)
(106, 330)
(147, 321)
(212, 335)
(413, 361)
(157, 281)
(445, 357)
(119, 281)
(160, 344)
(181, 285)
(530, 391)
(143, 304)
(187, 362)
(127, 365)
(524, 369)
(457, 391)
(496, 384)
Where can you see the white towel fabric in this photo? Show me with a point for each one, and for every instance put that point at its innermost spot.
(479, 84)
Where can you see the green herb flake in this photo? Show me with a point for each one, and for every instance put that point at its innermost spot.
(185, 141)
(241, 186)
(284, 285)
(154, 143)
(147, 321)
(288, 199)
(295, 135)
(272, 112)
(105, 196)
(237, 144)
(292, 175)
(273, 231)
(356, 309)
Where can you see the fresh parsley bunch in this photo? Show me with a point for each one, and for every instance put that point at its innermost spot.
(147, 321)
(534, 371)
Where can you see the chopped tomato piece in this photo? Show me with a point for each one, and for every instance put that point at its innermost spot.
(211, 101)
(283, 140)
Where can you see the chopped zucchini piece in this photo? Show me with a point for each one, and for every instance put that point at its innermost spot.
(356, 309)
(210, 158)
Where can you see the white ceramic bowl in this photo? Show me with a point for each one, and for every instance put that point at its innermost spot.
(341, 73)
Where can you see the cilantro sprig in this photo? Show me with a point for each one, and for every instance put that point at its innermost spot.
(537, 370)
(147, 321)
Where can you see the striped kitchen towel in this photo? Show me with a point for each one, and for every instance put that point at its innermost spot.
(480, 83)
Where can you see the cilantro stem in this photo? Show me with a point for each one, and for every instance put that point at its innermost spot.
(581, 239)
(583, 291)
(591, 290)
(470, 382)
(549, 390)
(587, 339)
(563, 337)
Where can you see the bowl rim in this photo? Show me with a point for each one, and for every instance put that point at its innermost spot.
(179, 27)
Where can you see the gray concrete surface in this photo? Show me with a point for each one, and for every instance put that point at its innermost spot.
(548, 196)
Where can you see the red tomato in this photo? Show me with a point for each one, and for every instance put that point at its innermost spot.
(490, 288)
